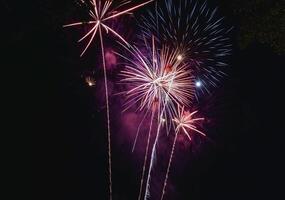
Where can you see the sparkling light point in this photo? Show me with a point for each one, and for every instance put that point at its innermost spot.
(198, 84)
(179, 57)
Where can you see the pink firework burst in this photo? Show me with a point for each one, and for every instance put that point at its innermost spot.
(100, 13)
(186, 124)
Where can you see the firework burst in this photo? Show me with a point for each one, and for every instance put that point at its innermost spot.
(185, 121)
(196, 28)
(158, 81)
(186, 124)
(100, 13)
(157, 78)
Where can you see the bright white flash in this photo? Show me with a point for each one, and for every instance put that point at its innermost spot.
(198, 84)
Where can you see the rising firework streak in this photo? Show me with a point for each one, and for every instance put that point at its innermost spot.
(101, 12)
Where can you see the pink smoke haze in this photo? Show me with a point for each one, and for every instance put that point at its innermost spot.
(111, 59)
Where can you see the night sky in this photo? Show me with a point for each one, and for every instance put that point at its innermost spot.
(242, 160)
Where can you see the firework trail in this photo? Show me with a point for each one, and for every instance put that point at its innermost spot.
(153, 152)
(152, 158)
(146, 155)
(100, 13)
(193, 26)
(184, 121)
(169, 164)
(138, 130)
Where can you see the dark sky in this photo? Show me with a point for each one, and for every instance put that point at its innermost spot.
(69, 151)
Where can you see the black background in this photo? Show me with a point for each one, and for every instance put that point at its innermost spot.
(69, 159)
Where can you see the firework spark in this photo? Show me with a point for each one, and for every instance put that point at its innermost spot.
(185, 122)
(90, 81)
(196, 28)
(101, 12)
(158, 82)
